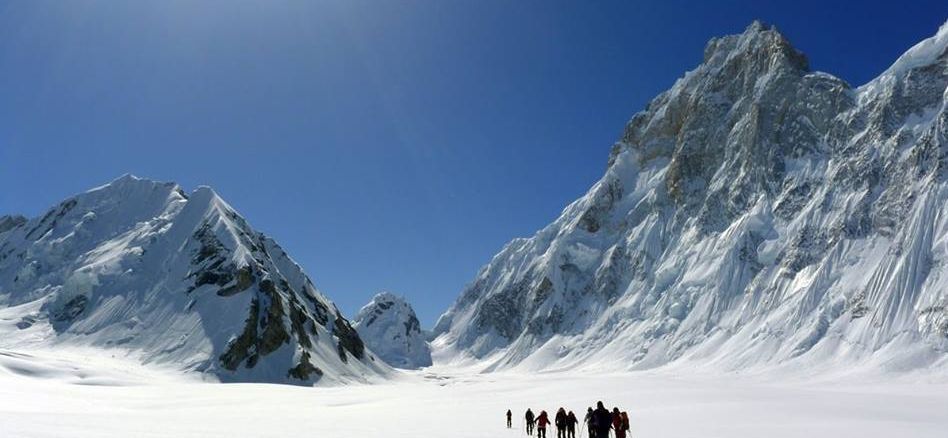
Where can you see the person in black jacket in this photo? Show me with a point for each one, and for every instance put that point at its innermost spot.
(509, 419)
(530, 419)
(571, 425)
(560, 422)
(603, 419)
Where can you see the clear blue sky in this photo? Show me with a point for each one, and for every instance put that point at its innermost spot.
(391, 145)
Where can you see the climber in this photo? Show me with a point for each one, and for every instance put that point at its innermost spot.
(623, 428)
(560, 421)
(509, 419)
(617, 422)
(590, 421)
(571, 425)
(543, 420)
(530, 419)
(603, 420)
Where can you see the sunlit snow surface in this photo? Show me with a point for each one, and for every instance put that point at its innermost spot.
(66, 393)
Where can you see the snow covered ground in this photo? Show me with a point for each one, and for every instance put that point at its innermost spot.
(75, 393)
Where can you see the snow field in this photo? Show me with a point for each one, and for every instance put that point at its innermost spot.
(49, 394)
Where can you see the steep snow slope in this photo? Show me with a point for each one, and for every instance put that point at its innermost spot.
(757, 214)
(390, 329)
(175, 279)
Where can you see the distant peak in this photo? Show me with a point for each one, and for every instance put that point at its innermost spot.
(386, 301)
(130, 179)
(207, 197)
(124, 180)
(760, 42)
(127, 177)
(203, 190)
(386, 296)
(757, 26)
(128, 183)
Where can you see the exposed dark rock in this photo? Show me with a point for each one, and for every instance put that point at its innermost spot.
(48, 221)
(244, 346)
(73, 308)
(8, 223)
(304, 369)
(597, 213)
(298, 320)
(274, 331)
(348, 339)
(245, 279)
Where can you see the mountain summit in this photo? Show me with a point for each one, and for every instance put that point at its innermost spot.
(392, 331)
(755, 214)
(174, 278)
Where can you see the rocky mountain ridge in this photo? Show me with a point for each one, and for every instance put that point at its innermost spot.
(178, 279)
(756, 214)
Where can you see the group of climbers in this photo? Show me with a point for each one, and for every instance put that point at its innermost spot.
(565, 424)
(598, 422)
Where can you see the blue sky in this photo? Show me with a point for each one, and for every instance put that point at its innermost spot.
(387, 145)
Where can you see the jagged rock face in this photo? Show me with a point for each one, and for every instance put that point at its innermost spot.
(390, 328)
(9, 222)
(756, 213)
(177, 279)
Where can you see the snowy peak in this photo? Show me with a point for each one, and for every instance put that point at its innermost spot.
(390, 328)
(759, 47)
(909, 94)
(745, 84)
(726, 129)
(175, 279)
(755, 214)
(931, 51)
(107, 209)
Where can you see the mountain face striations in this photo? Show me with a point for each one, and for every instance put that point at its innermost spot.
(757, 213)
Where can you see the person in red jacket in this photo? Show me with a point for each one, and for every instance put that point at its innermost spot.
(620, 424)
(543, 420)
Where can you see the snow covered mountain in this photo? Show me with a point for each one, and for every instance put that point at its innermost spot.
(175, 279)
(757, 214)
(390, 329)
